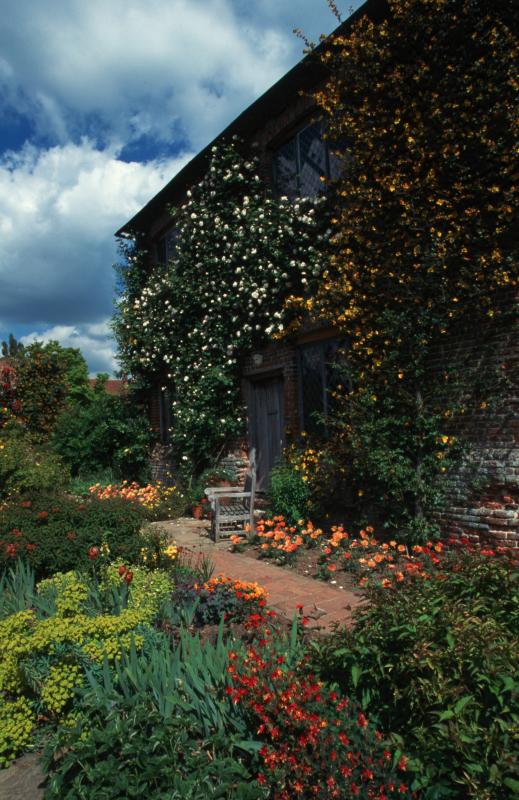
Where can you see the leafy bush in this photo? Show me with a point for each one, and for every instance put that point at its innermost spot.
(100, 431)
(26, 466)
(135, 752)
(51, 633)
(161, 723)
(220, 597)
(288, 493)
(434, 659)
(56, 533)
(315, 742)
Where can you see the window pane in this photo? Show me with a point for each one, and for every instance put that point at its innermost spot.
(312, 161)
(285, 170)
(166, 246)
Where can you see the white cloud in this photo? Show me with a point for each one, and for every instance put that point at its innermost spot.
(162, 67)
(59, 209)
(94, 341)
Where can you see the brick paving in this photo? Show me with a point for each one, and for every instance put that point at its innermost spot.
(323, 604)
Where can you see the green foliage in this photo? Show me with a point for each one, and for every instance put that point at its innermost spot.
(163, 720)
(49, 635)
(238, 251)
(27, 466)
(11, 348)
(425, 251)
(435, 661)
(101, 432)
(55, 533)
(135, 752)
(41, 386)
(288, 493)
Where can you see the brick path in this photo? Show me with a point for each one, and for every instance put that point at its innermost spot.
(323, 604)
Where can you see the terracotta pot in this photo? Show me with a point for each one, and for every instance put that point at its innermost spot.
(197, 512)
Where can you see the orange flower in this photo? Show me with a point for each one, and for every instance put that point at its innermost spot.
(332, 567)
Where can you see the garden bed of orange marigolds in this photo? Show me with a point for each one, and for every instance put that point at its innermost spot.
(337, 556)
(157, 500)
(146, 495)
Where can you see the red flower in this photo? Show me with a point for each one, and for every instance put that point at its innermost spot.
(25, 504)
(43, 515)
(30, 547)
(122, 570)
(128, 577)
(11, 550)
(93, 553)
(16, 532)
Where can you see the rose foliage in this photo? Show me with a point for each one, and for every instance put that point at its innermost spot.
(238, 251)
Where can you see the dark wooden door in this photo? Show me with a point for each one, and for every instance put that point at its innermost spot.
(266, 426)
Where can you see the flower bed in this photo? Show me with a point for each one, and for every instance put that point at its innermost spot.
(157, 501)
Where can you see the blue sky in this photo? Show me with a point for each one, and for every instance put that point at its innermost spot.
(101, 103)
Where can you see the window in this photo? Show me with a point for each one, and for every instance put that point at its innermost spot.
(300, 163)
(164, 416)
(319, 374)
(166, 246)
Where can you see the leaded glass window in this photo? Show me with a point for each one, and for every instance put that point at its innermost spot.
(166, 246)
(302, 163)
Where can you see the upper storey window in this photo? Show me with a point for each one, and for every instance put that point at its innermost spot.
(166, 246)
(301, 164)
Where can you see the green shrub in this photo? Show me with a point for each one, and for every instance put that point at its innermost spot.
(26, 466)
(288, 493)
(435, 660)
(101, 432)
(161, 723)
(135, 752)
(55, 533)
(50, 634)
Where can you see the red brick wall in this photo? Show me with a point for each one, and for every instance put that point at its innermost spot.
(483, 497)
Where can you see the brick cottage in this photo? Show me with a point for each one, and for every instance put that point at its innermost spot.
(286, 383)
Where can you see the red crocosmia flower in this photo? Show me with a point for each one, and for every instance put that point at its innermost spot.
(402, 763)
(362, 722)
(25, 504)
(122, 570)
(43, 515)
(11, 550)
(93, 553)
(16, 532)
(300, 607)
(128, 577)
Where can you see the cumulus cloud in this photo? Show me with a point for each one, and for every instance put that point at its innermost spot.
(100, 89)
(59, 209)
(94, 341)
(130, 67)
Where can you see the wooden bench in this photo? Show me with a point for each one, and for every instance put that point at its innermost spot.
(232, 508)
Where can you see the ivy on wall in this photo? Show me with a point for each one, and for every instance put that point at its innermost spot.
(238, 252)
(424, 236)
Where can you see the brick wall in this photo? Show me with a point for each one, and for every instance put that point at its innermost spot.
(483, 497)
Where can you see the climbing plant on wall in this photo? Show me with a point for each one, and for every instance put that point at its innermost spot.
(425, 235)
(238, 252)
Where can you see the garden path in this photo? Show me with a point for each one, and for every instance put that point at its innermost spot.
(323, 604)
